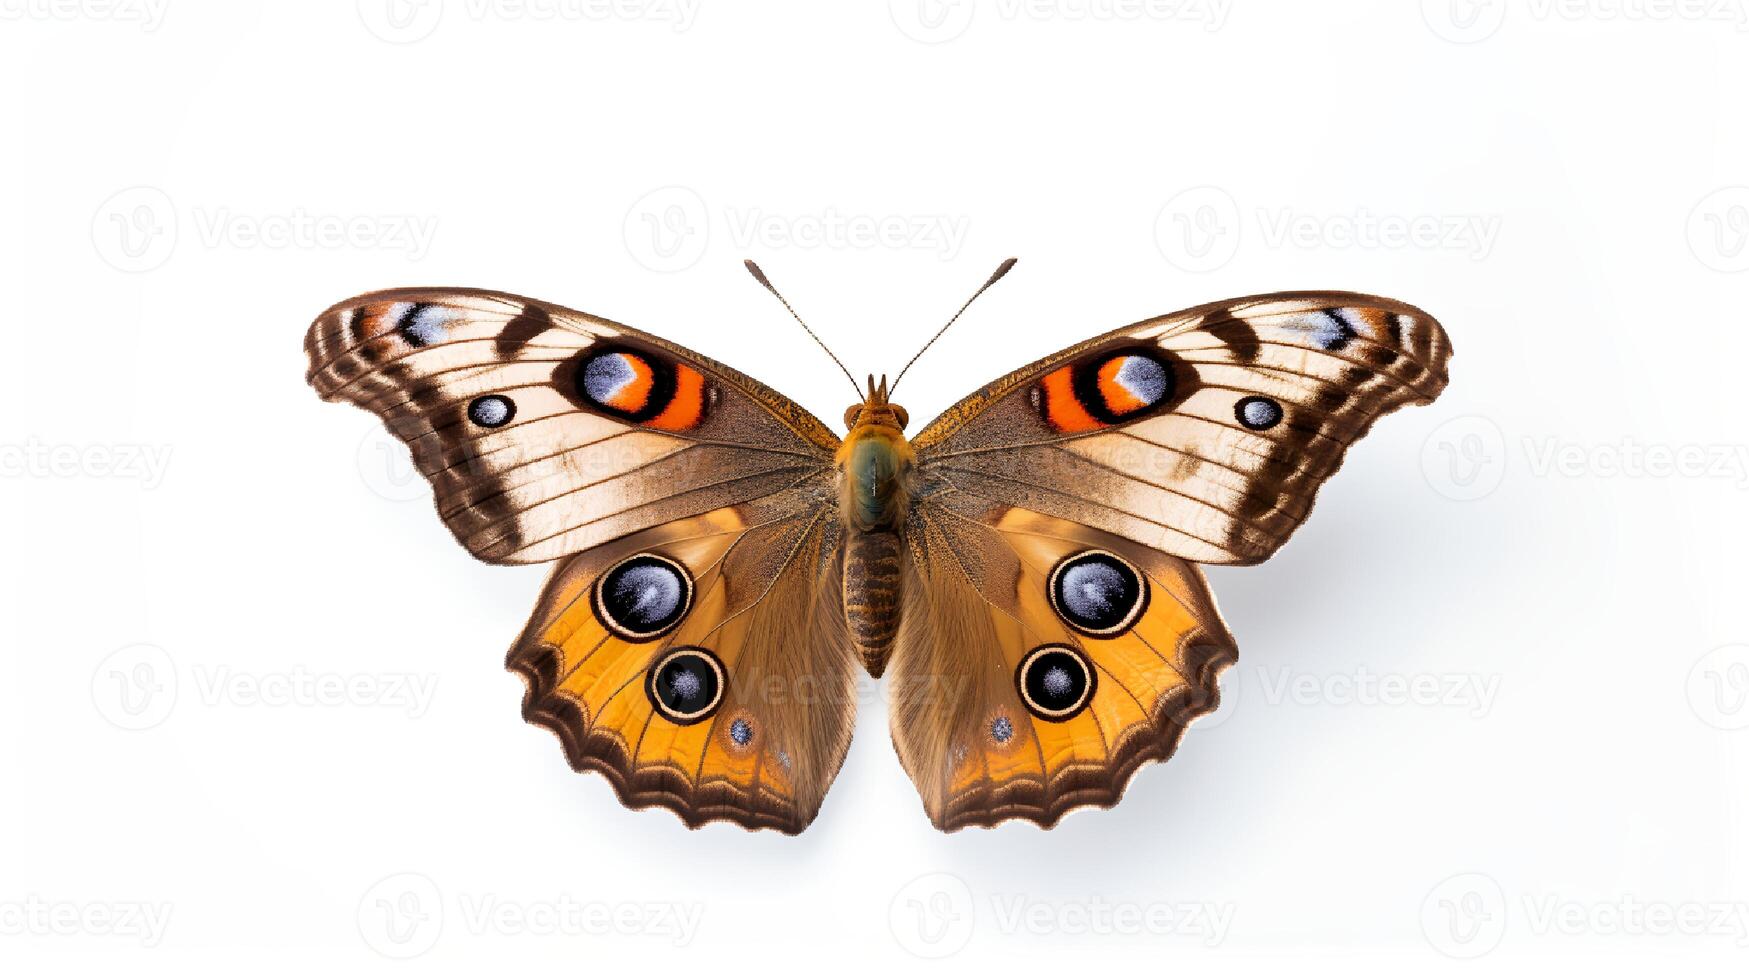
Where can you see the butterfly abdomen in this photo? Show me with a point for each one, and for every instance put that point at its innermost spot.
(871, 595)
(875, 473)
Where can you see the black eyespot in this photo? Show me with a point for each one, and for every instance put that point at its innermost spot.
(1001, 730)
(741, 731)
(1257, 412)
(1098, 593)
(643, 597)
(422, 324)
(1331, 330)
(686, 685)
(491, 411)
(1056, 682)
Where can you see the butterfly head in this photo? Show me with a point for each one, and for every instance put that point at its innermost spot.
(876, 410)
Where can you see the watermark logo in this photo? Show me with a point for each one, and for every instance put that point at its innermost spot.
(935, 915)
(932, 916)
(138, 686)
(137, 230)
(931, 21)
(1718, 688)
(148, 14)
(401, 21)
(404, 916)
(1198, 229)
(936, 21)
(385, 463)
(34, 459)
(1464, 458)
(142, 922)
(1464, 21)
(1470, 21)
(1718, 230)
(401, 916)
(134, 230)
(409, 21)
(135, 688)
(667, 229)
(1464, 916)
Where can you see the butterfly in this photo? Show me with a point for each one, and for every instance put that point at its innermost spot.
(1023, 570)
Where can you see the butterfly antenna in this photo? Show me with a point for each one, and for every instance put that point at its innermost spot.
(759, 274)
(1001, 271)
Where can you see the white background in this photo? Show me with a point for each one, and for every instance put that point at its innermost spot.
(1490, 712)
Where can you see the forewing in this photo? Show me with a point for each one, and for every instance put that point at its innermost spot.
(1205, 434)
(545, 431)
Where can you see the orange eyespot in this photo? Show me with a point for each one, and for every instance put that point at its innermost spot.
(642, 388)
(1104, 392)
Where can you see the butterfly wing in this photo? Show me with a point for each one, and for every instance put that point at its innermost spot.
(1204, 434)
(1055, 634)
(702, 665)
(691, 646)
(1010, 703)
(545, 431)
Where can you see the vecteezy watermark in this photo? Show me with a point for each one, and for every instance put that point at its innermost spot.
(1464, 916)
(934, 916)
(407, 21)
(1467, 915)
(34, 459)
(1200, 229)
(148, 14)
(1466, 458)
(134, 229)
(938, 21)
(138, 686)
(1634, 460)
(1718, 687)
(403, 916)
(1470, 21)
(33, 915)
(135, 687)
(1718, 230)
(669, 229)
(1472, 694)
(300, 687)
(138, 229)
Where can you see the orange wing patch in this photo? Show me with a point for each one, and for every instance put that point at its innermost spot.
(660, 662)
(1048, 711)
(1061, 408)
(686, 409)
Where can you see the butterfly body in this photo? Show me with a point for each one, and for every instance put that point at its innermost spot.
(876, 473)
(1023, 570)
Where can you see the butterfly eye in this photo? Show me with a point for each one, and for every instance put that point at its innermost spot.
(903, 416)
(851, 414)
(686, 685)
(642, 388)
(643, 597)
(1097, 593)
(1055, 682)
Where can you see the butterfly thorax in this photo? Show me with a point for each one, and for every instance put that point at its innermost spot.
(875, 467)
